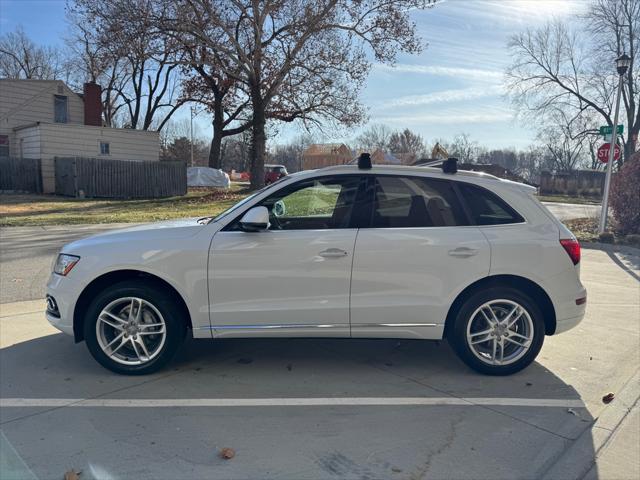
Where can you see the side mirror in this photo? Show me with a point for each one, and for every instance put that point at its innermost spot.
(255, 220)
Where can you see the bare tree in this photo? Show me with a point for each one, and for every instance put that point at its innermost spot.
(20, 58)
(298, 60)
(145, 63)
(407, 142)
(557, 70)
(463, 148)
(376, 136)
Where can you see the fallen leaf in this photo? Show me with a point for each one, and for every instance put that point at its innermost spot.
(72, 475)
(572, 412)
(227, 453)
(608, 398)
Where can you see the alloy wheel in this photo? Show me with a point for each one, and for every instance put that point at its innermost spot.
(500, 332)
(131, 331)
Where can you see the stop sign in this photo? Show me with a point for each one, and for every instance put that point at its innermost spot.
(603, 152)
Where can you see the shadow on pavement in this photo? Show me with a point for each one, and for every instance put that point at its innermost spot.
(491, 441)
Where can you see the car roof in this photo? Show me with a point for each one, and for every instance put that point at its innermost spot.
(434, 172)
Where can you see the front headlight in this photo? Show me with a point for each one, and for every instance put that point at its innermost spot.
(64, 264)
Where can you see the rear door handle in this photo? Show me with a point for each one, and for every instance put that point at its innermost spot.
(463, 252)
(333, 253)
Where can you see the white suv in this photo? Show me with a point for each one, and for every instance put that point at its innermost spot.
(401, 252)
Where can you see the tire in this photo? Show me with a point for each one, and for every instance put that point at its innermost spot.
(157, 321)
(515, 347)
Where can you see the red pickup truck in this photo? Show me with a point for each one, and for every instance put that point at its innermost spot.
(273, 173)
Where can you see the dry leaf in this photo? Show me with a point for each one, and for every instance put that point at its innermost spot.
(608, 398)
(72, 475)
(226, 453)
(572, 412)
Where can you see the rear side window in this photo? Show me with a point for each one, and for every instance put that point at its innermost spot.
(486, 208)
(405, 202)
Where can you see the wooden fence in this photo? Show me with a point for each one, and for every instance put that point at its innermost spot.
(20, 174)
(91, 177)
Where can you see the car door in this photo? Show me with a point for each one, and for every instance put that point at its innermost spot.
(417, 255)
(294, 277)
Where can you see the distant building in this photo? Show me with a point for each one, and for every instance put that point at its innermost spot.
(320, 155)
(379, 157)
(46, 119)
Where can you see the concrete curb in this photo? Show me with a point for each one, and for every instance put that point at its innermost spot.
(576, 461)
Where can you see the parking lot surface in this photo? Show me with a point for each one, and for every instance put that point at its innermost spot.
(319, 408)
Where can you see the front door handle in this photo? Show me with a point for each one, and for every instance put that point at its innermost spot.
(333, 253)
(463, 252)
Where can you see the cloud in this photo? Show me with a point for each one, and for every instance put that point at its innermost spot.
(444, 96)
(457, 72)
(446, 118)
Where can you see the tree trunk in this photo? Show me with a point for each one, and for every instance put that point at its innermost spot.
(258, 144)
(215, 161)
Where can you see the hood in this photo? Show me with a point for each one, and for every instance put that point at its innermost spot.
(168, 230)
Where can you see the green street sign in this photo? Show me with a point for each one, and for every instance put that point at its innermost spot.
(606, 130)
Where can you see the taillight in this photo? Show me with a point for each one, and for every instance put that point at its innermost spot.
(572, 247)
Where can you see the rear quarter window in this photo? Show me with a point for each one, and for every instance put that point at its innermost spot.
(487, 208)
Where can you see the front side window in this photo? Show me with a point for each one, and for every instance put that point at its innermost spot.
(104, 148)
(487, 208)
(60, 109)
(319, 203)
(406, 202)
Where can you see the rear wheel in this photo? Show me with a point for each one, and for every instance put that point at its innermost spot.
(134, 329)
(498, 331)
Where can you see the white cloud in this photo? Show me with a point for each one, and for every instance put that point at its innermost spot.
(446, 118)
(458, 72)
(444, 96)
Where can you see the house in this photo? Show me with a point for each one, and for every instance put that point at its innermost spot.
(318, 155)
(45, 119)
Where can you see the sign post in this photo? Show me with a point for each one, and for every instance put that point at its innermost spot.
(607, 181)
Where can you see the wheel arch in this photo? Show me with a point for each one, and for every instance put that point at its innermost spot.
(535, 291)
(101, 282)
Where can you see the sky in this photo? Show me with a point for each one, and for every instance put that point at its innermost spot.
(453, 86)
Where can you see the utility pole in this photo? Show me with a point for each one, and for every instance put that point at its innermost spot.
(622, 64)
(191, 143)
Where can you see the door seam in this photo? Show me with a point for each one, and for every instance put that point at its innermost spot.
(353, 256)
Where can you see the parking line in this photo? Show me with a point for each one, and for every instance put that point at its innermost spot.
(285, 402)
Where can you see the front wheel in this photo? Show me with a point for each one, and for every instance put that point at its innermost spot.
(133, 328)
(498, 331)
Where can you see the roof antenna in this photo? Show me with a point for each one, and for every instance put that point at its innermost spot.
(450, 165)
(364, 161)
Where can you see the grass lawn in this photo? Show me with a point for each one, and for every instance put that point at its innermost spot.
(569, 199)
(23, 210)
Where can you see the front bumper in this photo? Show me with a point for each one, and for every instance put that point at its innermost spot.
(65, 293)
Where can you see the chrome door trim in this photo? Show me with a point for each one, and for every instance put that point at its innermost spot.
(374, 325)
(270, 327)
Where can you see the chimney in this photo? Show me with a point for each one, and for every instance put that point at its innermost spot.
(92, 96)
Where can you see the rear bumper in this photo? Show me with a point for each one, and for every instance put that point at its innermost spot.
(569, 313)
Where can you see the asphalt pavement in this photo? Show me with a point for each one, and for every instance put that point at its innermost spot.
(328, 408)
(26, 253)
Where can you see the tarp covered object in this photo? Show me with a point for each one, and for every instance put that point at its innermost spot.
(207, 177)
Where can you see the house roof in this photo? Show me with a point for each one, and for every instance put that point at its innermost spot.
(325, 148)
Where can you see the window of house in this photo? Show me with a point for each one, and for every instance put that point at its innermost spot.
(104, 148)
(486, 207)
(60, 109)
(4, 145)
(406, 202)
